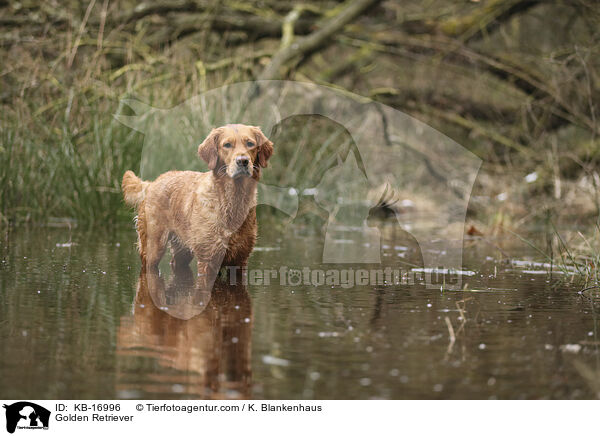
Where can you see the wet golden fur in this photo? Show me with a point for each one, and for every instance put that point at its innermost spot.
(208, 215)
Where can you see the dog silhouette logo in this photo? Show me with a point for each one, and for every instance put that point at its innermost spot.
(26, 415)
(392, 155)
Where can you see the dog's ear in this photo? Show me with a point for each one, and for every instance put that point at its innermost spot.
(265, 147)
(208, 149)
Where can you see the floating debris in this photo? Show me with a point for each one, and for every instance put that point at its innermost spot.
(272, 360)
(571, 348)
(531, 177)
(178, 389)
(456, 272)
(547, 267)
(328, 334)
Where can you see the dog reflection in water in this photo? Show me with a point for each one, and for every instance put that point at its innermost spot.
(184, 341)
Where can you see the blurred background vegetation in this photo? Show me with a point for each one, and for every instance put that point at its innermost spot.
(515, 81)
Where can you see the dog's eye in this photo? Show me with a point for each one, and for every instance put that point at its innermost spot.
(227, 145)
(250, 144)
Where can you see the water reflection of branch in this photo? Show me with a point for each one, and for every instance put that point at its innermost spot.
(377, 309)
(452, 334)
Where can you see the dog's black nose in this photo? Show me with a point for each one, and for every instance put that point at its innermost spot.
(242, 161)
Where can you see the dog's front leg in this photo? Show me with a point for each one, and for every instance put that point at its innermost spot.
(181, 256)
(209, 264)
(206, 275)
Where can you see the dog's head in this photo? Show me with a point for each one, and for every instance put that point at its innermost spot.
(236, 150)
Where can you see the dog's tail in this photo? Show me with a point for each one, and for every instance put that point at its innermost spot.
(134, 189)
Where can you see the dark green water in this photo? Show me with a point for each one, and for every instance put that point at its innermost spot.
(78, 321)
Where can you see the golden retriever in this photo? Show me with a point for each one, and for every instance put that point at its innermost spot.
(210, 215)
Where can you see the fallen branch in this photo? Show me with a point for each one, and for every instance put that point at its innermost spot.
(529, 82)
(145, 9)
(484, 20)
(462, 105)
(178, 25)
(309, 44)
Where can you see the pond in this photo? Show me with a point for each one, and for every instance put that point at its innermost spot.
(78, 320)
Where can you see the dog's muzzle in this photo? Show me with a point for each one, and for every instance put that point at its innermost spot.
(242, 166)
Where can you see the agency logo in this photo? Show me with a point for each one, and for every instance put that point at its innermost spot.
(388, 156)
(26, 415)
